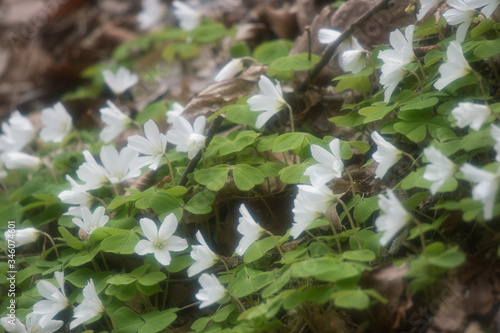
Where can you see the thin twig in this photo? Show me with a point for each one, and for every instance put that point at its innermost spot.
(328, 53)
(194, 162)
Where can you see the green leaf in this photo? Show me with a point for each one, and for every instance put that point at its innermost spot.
(127, 321)
(200, 324)
(374, 113)
(152, 111)
(488, 49)
(267, 52)
(352, 119)
(223, 313)
(201, 203)
(415, 131)
(420, 104)
(482, 27)
(241, 114)
(84, 256)
(246, 176)
(120, 244)
(213, 178)
(121, 279)
(351, 299)
(360, 83)
(359, 255)
(208, 33)
(152, 278)
(289, 141)
(451, 258)
(361, 146)
(179, 263)
(479, 139)
(70, 239)
(297, 62)
(183, 50)
(163, 202)
(253, 283)
(294, 174)
(258, 249)
(157, 321)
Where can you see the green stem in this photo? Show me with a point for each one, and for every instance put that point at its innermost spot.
(166, 289)
(416, 76)
(349, 217)
(292, 123)
(275, 242)
(422, 239)
(480, 80)
(424, 77)
(356, 213)
(108, 314)
(53, 243)
(337, 240)
(170, 169)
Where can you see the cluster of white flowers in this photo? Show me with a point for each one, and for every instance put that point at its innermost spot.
(352, 55)
(41, 319)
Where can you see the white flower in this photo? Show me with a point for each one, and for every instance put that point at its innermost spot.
(90, 307)
(91, 221)
(93, 174)
(115, 120)
(454, 68)
(229, 70)
(18, 131)
(23, 236)
(56, 299)
(77, 195)
(211, 290)
(188, 138)
(327, 36)
(176, 111)
(120, 81)
(425, 6)
(34, 324)
(270, 100)
(119, 166)
(57, 123)
(403, 44)
(486, 187)
(461, 13)
(386, 155)
(13, 325)
(393, 217)
(310, 204)
(330, 164)
(250, 230)
(394, 60)
(495, 134)
(151, 13)
(153, 146)
(160, 242)
(489, 6)
(202, 255)
(188, 17)
(353, 61)
(15, 160)
(440, 169)
(470, 114)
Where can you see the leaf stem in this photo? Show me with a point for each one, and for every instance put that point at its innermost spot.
(356, 213)
(53, 243)
(349, 217)
(290, 111)
(275, 242)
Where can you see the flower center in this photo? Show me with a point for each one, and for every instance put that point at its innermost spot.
(160, 244)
